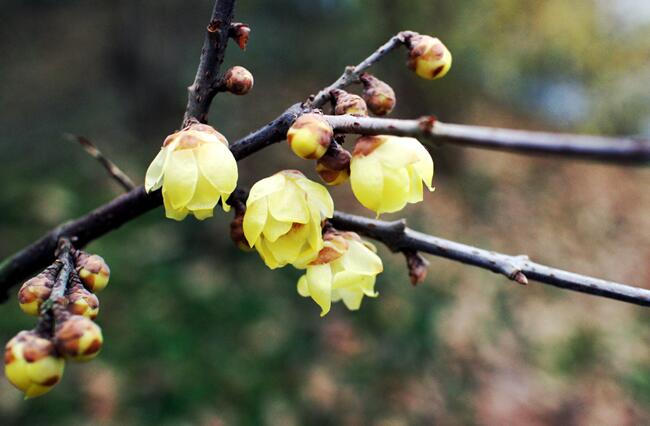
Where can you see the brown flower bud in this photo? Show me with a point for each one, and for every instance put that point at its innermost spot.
(93, 271)
(428, 57)
(35, 291)
(310, 136)
(418, 266)
(79, 339)
(82, 302)
(237, 232)
(240, 33)
(238, 80)
(334, 166)
(379, 96)
(348, 103)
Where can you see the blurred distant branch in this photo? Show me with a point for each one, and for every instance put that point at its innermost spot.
(399, 238)
(203, 90)
(610, 149)
(115, 172)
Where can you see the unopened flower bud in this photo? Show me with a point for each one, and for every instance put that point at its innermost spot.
(82, 302)
(35, 291)
(93, 271)
(379, 96)
(310, 136)
(240, 33)
(79, 339)
(31, 364)
(238, 80)
(428, 57)
(334, 166)
(348, 103)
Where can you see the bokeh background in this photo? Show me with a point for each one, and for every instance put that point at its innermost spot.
(197, 332)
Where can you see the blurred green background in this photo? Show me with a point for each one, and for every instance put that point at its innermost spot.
(197, 332)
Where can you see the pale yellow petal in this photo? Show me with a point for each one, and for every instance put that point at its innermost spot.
(205, 197)
(218, 166)
(171, 212)
(319, 282)
(396, 152)
(181, 175)
(367, 181)
(266, 187)
(318, 196)
(352, 298)
(288, 247)
(154, 177)
(274, 229)
(254, 220)
(303, 288)
(267, 255)
(289, 205)
(424, 165)
(203, 214)
(395, 190)
(415, 187)
(361, 260)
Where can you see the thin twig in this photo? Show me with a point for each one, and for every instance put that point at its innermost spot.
(351, 74)
(202, 91)
(620, 150)
(115, 172)
(399, 238)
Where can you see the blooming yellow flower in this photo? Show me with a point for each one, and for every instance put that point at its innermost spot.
(31, 364)
(429, 57)
(387, 172)
(283, 218)
(345, 269)
(194, 168)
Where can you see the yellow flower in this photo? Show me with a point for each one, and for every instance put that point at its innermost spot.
(79, 339)
(387, 172)
(345, 269)
(194, 168)
(283, 218)
(429, 57)
(31, 364)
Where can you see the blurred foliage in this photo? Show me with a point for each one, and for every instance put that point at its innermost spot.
(197, 332)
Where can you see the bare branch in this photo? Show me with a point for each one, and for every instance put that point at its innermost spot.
(351, 74)
(202, 91)
(619, 150)
(115, 172)
(397, 237)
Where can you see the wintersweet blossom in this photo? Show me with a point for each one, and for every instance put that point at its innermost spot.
(345, 269)
(283, 218)
(387, 172)
(194, 168)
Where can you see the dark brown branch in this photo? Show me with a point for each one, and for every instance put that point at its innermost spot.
(202, 91)
(397, 237)
(351, 74)
(619, 150)
(115, 172)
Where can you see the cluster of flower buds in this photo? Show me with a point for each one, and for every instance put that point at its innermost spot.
(35, 360)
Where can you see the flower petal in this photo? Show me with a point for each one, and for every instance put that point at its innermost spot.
(181, 175)
(319, 282)
(318, 196)
(395, 191)
(171, 212)
(367, 180)
(254, 220)
(154, 177)
(265, 187)
(302, 286)
(289, 205)
(205, 197)
(361, 259)
(218, 166)
(274, 229)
